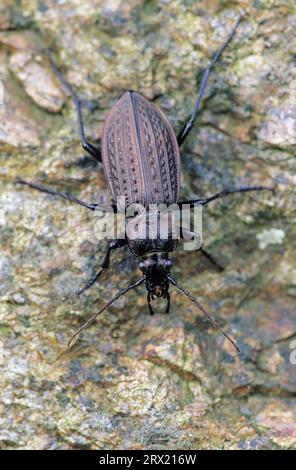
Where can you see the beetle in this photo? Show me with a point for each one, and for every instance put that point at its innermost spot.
(141, 161)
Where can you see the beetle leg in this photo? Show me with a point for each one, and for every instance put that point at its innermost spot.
(188, 126)
(64, 195)
(226, 192)
(212, 260)
(200, 249)
(113, 245)
(92, 280)
(93, 151)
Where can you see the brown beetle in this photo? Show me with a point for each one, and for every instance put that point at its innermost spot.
(140, 157)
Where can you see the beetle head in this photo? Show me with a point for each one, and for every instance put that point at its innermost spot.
(156, 269)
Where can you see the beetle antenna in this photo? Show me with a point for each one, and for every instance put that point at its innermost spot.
(203, 310)
(93, 318)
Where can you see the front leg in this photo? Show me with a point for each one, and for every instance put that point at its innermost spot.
(212, 260)
(113, 245)
(187, 234)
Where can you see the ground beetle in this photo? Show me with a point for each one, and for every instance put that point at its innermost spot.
(140, 157)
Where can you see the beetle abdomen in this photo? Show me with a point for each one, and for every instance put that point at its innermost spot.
(140, 153)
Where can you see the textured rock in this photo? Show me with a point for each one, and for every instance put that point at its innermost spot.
(132, 380)
(37, 82)
(279, 128)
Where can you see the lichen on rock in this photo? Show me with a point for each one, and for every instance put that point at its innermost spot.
(133, 380)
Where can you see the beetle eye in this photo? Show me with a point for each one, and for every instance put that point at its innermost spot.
(168, 265)
(142, 266)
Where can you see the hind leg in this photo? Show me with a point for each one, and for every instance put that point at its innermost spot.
(93, 151)
(188, 126)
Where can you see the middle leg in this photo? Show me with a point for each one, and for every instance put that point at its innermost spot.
(225, 192)
(63, 195)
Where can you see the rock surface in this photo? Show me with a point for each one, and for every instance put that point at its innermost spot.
(133, 381)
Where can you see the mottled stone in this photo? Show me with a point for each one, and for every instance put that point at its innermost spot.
(38, 82)
(279, 419)
(279, 127)
(4, 17)
(270, 237)
(135, 381)
(17, 131)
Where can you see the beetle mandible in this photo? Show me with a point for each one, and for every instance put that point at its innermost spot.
(141, 161)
